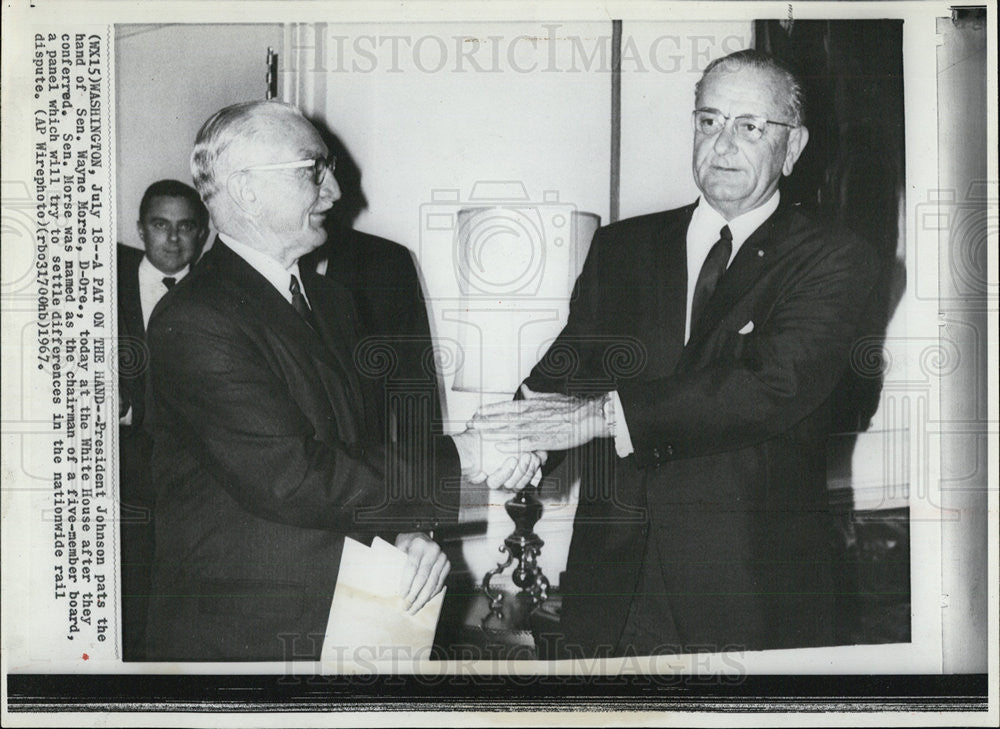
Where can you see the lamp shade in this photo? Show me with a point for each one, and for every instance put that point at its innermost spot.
(515, 266)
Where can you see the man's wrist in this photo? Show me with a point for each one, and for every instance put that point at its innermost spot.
(469, 456)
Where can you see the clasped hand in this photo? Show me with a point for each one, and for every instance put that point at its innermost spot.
(498, 460)
(514, 437)
(543, 421)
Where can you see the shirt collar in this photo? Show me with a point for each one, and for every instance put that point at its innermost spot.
(149, 273)
(276, 274)
(707, 218)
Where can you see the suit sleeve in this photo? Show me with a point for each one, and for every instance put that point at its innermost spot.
(238, 416)
(131, 393)
(574, 363)
(132, 352)
(788, 367)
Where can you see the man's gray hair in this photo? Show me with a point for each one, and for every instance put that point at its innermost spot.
(217, 134)
(762, 62)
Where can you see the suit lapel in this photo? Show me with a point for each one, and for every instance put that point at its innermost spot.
(330, 346)
(671, 277)
(757, 254)
(272, 308)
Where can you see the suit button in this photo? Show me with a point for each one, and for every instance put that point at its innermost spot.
(656, 454)
(669, 450)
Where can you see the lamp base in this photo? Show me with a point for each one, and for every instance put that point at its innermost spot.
(524, 547)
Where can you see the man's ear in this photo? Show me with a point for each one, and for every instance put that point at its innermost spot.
(797, 140)
(142, 232)
(241, 191)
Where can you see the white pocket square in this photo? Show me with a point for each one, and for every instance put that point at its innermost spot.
(747, 328)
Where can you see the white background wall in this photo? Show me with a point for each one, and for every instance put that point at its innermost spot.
(419, 133)
(965, 485)
(170, 79)
(658, 79)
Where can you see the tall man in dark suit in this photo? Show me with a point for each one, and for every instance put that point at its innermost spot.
(393, 329)
(172, 225)
(737, 314)
(264, 458)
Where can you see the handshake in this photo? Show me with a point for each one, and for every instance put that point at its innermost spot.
(507, 443)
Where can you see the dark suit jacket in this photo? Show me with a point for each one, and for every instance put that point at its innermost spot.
(263, 461)
(727, 480)
(394, 334)
(134, 451)
(132, 333)
(133, 362)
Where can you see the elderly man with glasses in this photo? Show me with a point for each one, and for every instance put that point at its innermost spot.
(264, 457)
(703, 523)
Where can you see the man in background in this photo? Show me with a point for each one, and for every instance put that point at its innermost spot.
(395, 349)
(172, 225)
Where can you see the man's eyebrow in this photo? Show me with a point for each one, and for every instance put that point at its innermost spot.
(738, 116)
(154, 218)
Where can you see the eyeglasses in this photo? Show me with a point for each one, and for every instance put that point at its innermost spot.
(320, 166)
(749, 127)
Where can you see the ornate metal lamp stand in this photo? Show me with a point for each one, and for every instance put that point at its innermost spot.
(524, 546)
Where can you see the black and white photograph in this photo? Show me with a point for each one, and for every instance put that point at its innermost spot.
(515, 357)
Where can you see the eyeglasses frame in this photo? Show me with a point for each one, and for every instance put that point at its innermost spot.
(728, 119)
(329, 165)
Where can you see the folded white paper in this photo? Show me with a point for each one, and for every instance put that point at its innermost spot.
(369, 628)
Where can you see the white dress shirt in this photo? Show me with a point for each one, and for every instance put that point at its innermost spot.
(702, 234)
(276, 274)
(152, 288)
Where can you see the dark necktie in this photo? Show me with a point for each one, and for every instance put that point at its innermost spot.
(711, 271)
(300, 304)
(169, 282)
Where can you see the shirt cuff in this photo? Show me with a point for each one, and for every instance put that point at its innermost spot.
(623, 441)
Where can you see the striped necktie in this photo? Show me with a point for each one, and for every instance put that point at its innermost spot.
(300, 304)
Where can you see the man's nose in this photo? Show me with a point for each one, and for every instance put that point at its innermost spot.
(725, 141)
(330, 189)
(173, 233)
